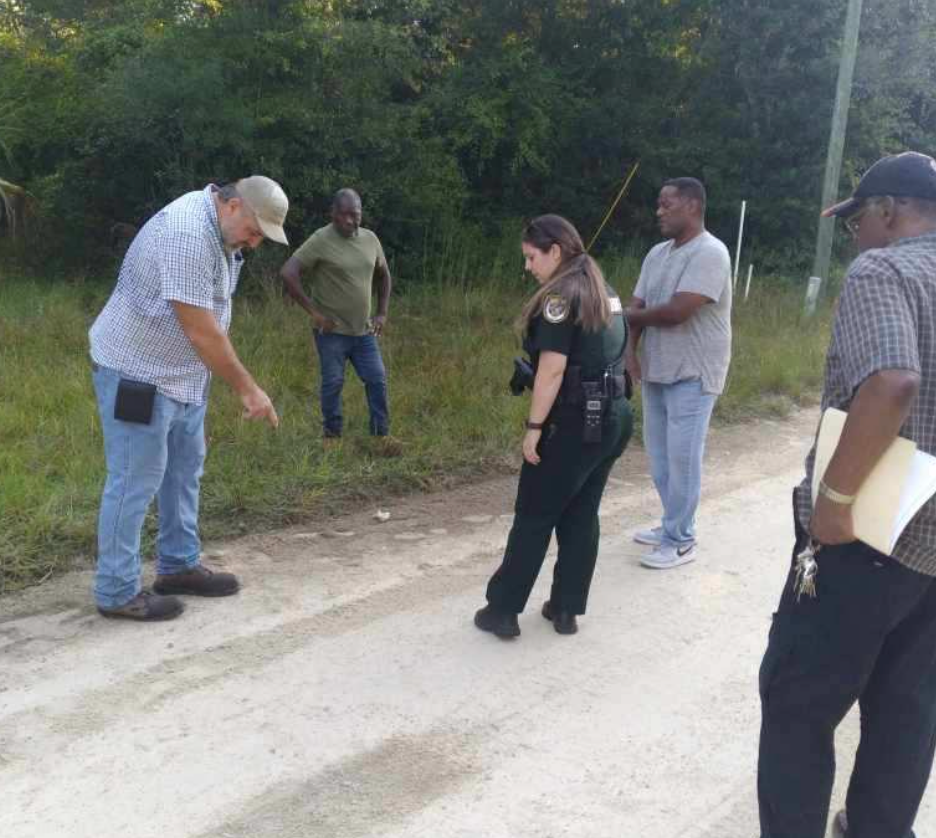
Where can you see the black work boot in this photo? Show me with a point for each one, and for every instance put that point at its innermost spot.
(146, 607)
(499, 623)
(564, 622)
(199, 581)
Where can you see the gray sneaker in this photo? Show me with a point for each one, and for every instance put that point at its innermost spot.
(653, 537)
(146, 607)
(665, 557)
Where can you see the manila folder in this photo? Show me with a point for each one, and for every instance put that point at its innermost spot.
(876, 514)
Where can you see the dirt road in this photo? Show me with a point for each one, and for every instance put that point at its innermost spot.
(345, 693)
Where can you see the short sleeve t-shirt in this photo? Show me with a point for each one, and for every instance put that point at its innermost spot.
(342, 272)
(700, 347)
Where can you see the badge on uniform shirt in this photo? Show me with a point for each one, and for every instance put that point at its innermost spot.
(555, 308)
(616, 307)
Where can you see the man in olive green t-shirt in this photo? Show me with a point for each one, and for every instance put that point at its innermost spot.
(343, 260)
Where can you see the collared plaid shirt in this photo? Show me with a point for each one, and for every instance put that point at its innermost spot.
(178, 256)
(886, 320)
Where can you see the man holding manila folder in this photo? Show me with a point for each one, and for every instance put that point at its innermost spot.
(853, 623)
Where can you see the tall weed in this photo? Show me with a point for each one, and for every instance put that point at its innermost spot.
(448, 350)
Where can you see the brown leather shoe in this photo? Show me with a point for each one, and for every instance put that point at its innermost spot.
(146, 607)
(199, 581)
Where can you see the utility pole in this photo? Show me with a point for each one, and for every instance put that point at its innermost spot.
(833, 169)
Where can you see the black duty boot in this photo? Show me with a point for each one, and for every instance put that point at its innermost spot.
(563, 621)
(497, 622)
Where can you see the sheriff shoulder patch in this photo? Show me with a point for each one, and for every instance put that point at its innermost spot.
(555, 308)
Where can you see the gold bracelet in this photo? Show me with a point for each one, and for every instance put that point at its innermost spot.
(835, 497)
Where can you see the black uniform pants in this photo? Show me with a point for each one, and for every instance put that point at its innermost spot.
(870, 637)
(562, 493)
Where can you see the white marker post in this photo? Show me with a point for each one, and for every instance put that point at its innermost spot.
(812, 294)
(747, 285)
(734, 282)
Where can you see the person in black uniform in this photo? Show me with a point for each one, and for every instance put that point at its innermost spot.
(579, 423)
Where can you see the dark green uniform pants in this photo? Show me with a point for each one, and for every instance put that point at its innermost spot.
(562, 493)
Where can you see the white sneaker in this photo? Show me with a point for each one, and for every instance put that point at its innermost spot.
(652, 537)
(664, 557)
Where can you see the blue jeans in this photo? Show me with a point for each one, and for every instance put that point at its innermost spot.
(163, 459)
(675, 424)
(363, 352)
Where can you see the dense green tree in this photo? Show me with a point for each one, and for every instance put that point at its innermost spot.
(480, 110)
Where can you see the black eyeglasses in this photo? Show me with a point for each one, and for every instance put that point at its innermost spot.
(853, 222)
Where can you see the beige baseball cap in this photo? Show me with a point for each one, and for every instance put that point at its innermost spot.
(269, 203)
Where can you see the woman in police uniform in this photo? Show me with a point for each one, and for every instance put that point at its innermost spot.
(578, 424)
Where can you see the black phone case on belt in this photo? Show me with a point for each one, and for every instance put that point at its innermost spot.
(134, 402)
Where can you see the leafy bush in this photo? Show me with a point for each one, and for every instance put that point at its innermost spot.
(477, 110)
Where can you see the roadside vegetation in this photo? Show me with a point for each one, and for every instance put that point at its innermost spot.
(477, 109)
(448, 348)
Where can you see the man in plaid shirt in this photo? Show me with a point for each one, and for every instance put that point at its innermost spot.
(160, 336)
(869, 634)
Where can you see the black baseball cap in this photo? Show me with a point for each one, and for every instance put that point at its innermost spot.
(907, 175)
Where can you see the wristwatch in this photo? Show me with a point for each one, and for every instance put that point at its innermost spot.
(534, 426)
(835, 497)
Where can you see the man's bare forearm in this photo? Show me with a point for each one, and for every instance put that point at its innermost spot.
(633, 338)
(635, 330)
(294, 288)
(384, 286)
(644, 317)
(676, 311)
(213, 346)
(661, 316)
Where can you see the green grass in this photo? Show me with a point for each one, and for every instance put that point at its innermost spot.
(448, 351)
(778, 355)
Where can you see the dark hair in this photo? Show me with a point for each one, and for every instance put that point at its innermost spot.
(689, 187)
(578, 277)
(343, 195)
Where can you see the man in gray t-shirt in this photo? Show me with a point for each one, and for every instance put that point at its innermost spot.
(682, 309)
